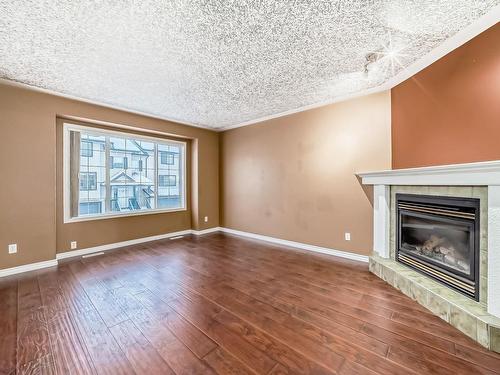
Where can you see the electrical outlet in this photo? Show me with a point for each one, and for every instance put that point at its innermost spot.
(13, 248)
(74, 245)
(347, 236)
(206, 219)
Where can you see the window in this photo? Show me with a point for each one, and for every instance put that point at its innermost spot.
(167, 180)
(167, 158)
(86, 149)
(120, 174)
(88, 181)
(118, 162)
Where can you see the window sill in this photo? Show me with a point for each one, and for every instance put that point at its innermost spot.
(115, 216)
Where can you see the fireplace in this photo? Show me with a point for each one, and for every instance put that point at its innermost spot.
(439, 237)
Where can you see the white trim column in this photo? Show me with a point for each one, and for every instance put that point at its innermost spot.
(494, 250)
(381, 220)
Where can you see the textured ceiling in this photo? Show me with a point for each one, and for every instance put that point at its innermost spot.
(220, 63)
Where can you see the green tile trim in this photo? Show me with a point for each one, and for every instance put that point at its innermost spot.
(468, 316)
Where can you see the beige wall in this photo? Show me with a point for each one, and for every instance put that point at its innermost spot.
(291, 178)
(294, 177)
(31, 212)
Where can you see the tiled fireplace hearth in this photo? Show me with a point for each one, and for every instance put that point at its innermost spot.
(437, 239)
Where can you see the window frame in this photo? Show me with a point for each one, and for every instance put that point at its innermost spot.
(68, 127)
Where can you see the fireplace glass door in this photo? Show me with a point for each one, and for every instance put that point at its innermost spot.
(438, 236)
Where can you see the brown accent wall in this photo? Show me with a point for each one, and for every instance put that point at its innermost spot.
(31, 209)
(450, 112)
(294, 177)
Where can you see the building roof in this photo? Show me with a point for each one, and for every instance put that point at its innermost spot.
(134, 178)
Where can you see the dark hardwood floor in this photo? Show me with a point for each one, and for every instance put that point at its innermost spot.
(225, 305)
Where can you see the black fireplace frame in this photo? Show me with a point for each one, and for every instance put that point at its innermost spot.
(470, 204)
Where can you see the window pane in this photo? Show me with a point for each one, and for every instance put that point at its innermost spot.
(132, 177)
(169, 176)
(88, 180)
(92, 174)
(86, 148)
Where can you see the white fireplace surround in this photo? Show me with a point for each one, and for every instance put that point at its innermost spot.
(471, 174)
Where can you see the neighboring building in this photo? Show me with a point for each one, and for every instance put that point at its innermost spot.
(132, 175)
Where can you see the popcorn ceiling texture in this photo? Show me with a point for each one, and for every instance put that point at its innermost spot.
(220, 63)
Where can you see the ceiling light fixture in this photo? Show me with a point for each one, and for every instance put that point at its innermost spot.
(389, 55)
(392, 53)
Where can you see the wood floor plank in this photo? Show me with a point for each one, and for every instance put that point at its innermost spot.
(192, 337)
(428, 353)
(43, 365)
(349, 297)
(352, 368)
(343, 278)
(353, 317)
(203, 318)
(450, 347)
(279, 369)
(140, 353)
(434, 327)
(267, 308)
(258, 339)
(177, 355)
(478, 356)
(33, 343)
(229, 298)
(8, 327)
(316, 343)
(104, 300)
(226, 305)
(106, 355)
(225, 364)
(287, 355)
(69, 352)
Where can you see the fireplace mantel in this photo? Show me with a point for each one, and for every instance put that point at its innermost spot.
(472, 174)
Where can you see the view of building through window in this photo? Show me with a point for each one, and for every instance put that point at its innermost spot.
(124, 174)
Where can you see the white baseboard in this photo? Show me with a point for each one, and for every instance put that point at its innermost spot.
(95, 249)
(206, 231)
(28, 267)
(279, 241)
(298, 245)
(90, 250)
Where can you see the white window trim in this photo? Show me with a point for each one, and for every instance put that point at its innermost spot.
(67, 128)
